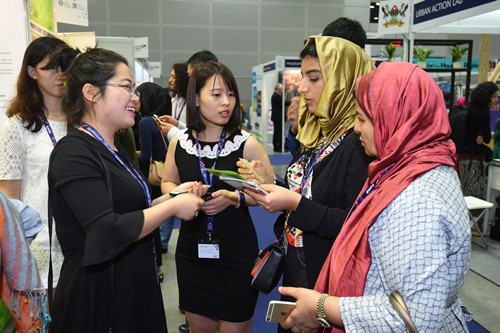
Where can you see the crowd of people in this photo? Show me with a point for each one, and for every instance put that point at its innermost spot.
(371, 203)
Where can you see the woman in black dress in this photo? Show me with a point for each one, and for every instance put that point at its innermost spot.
(215, 251)
(102, 208)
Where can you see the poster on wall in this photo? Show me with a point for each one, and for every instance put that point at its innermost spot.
(13, 43)
(394, 17)
(41, 17)
(72, 12)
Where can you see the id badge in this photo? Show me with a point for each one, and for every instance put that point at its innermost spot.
(208, 249)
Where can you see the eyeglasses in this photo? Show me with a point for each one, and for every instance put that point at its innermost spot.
(128, 87)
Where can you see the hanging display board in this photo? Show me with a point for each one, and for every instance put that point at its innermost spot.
(74, 12)
(433, 9)
(41, 16)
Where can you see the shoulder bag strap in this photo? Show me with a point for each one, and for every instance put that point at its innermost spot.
(400, 306)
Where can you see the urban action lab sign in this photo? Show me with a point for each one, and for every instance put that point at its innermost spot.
(432, 9)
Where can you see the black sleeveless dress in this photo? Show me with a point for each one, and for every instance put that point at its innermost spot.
(216, 288)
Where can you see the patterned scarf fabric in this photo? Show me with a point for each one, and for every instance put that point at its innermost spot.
(411, 131)
(341, 63)
(22, 288)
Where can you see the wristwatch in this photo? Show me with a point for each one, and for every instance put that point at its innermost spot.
(320, 312)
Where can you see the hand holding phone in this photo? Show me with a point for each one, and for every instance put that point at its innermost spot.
(278, 310)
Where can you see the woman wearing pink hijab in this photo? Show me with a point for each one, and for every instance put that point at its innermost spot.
(408, 231)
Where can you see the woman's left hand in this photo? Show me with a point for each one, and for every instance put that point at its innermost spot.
(303, 317)
(279, 198)
(219, 201)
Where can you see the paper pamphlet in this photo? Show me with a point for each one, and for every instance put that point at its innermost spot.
(236, 180)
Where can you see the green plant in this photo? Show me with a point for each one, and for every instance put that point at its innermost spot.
(422, 54)
(390, 52)
(457, 53)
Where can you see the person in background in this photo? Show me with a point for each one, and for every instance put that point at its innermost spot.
(154, 100)
(199, 58)
(178, 83)
(472, 161)
(35, 124)
(409, 228)
(103, 211)
(21, 287)
(276, 116)
(342, 27)
(215, 250)
(170, 126)
(324, 179)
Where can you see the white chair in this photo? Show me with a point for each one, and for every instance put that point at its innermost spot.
(474, 203)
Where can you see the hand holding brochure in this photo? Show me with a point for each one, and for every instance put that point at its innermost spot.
(236, 180)
(249, 166)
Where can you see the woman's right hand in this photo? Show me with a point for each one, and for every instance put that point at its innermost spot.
(244, 171)
(187, 205)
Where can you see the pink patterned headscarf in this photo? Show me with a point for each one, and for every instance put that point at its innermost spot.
(411, 127)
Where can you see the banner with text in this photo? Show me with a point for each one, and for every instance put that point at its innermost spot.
(433, 9)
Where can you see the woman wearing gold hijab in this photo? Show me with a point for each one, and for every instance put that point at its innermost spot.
(323, 181)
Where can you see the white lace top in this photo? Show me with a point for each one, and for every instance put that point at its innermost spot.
(211, 151)
(25, 155)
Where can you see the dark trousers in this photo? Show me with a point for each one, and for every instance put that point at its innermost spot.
(277, 136)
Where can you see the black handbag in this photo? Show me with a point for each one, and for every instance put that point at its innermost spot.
(268, 267)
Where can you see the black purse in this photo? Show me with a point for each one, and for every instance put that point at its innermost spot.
(268, 267)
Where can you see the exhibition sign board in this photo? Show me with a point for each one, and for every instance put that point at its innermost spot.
(141, 45)
(436, 14)
(394, 17)
(433, 9)
(72, 12)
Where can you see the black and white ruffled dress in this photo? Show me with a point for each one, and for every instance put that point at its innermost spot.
(216, 288)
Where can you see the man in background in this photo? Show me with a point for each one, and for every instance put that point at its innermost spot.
(277, 115)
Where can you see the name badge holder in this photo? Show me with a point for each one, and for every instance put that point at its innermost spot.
(208, 248)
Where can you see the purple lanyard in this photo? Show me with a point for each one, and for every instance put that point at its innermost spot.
(368, 191)
(49, 129)
(134, 173)
(209, 179)
(178, 116)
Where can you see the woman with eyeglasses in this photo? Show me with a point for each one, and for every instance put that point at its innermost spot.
(35, 124)
(102, 207)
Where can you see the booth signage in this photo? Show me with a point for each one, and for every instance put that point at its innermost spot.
(270, 67)
(394, 17)
(433, 9)
(295, 63)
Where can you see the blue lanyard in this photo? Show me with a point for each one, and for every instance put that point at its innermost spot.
(49, 129)
(209, 179)
(310, 166)
(367, 192)
(134, 173)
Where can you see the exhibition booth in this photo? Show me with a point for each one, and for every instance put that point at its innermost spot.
(26, 21)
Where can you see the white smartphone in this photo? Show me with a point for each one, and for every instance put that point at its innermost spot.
(278, 310)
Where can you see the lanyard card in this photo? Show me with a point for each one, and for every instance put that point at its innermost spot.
(208, 249)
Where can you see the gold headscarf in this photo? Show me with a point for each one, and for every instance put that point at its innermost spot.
(341, 63)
